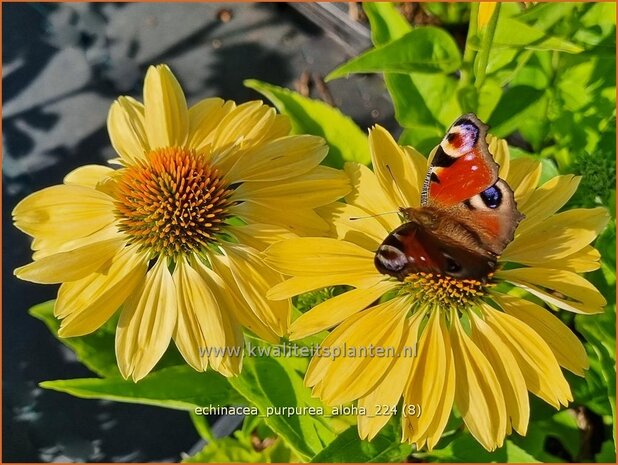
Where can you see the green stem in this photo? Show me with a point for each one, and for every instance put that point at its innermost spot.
(469, 53)
(486, 42)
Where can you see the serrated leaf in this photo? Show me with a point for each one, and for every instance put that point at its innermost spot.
(425, 50)
(386, 447)
(268, 382)
(346, 140)
(179, 387)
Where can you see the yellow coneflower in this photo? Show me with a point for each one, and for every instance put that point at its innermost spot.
(174, 235)
(479, 346)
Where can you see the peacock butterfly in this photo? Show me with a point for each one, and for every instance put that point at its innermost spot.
(467, 215)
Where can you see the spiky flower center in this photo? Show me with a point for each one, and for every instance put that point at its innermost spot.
(172, 203)
(445, 290)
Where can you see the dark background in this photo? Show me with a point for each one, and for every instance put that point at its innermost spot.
(63, 65)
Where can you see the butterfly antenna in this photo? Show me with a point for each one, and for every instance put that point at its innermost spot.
(354, 218)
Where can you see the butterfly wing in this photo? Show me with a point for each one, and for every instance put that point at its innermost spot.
(463, 178)
(462, 165)
(412, 248)
(468, 214)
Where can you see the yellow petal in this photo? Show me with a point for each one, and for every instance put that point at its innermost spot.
(88, 175)
(582, 261)
(279, 159)
(253, 278)
(353, 224)
(381, 402)
(127, 132)
(204, 117)
(86, 304)
(351, 377)
(400, 173)
(329, 348)
(523, 177)
(70, 266)
(165, 109)
(510, 377)
(300, 285)
(50, 245)
(368, 195)
(534, 357)
(336, 309)
(561, 288)
(320, 186)
(64, 211)
(230, 298)
(222, 333)
(557, 237)
(548, 199)
(431, 386)
(231, 364)
(500, 150)
(147, 323)
(199, 317)
(259, 235)
(309, 256)
(478, 396)
(567, 348)
(247, 123)
(303, 222)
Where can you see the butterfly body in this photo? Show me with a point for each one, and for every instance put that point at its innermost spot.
(467, 215)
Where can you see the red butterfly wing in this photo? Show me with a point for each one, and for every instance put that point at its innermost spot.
(411, 248)
(462, 166)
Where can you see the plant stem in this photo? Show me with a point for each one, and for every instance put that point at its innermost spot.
(486, 42)
(469, 53)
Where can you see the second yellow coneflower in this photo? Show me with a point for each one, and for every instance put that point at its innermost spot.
(480, 346)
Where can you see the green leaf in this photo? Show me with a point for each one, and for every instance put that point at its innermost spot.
(271, 383)
(201, 425)
(241, 449)
(180, 388)
(545, 423)
(546, 15)
(227, 450)
(346, 140)
(512, 108)
(422, 138)
(466, 449)
(386, 447)
(489, 96)
(513, 33)
(413, 95)
(387, 23)
(599, 331)
(95, 350)
(425, 49)
(607, 453)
